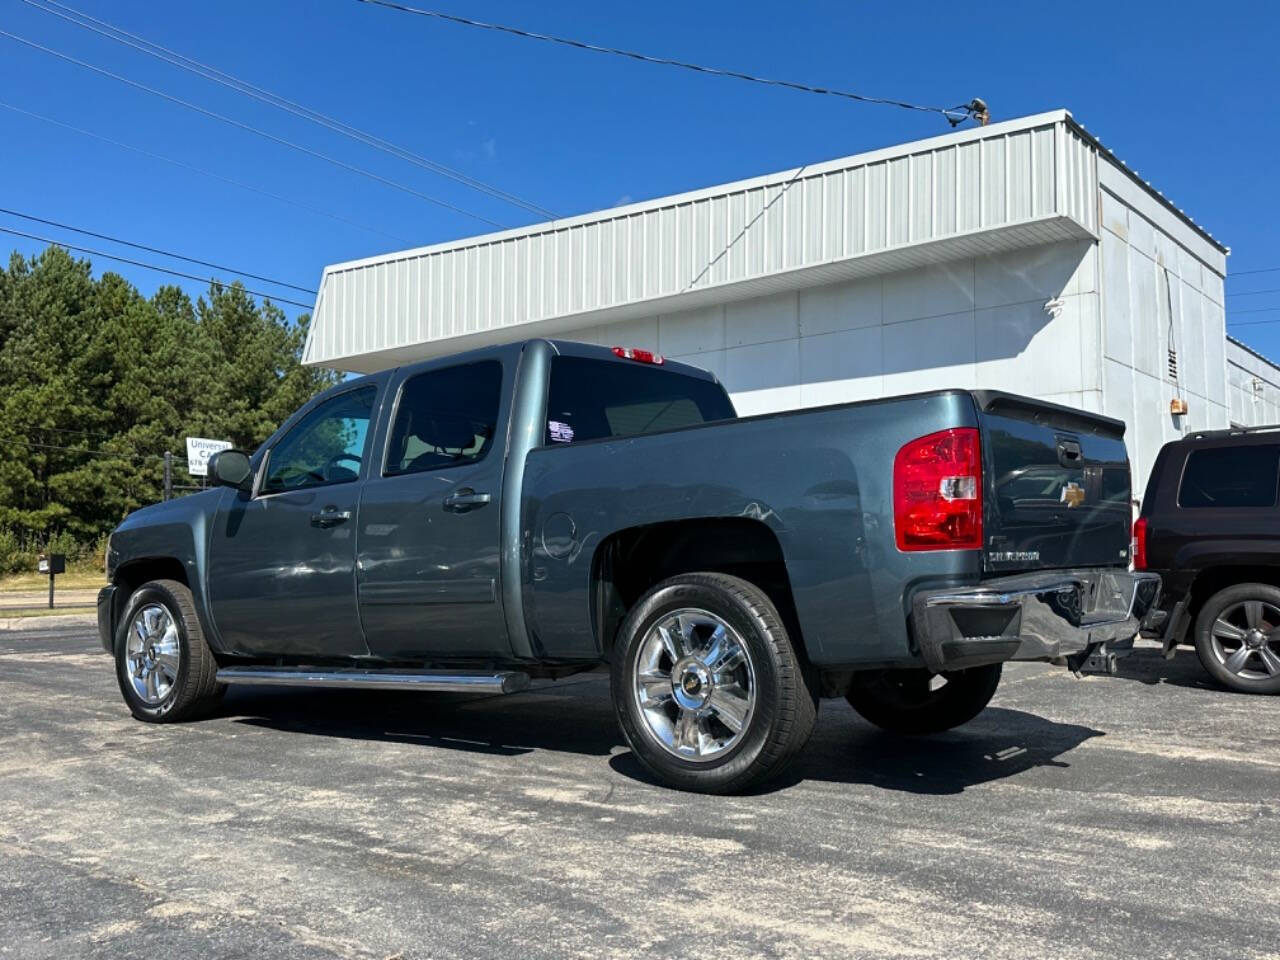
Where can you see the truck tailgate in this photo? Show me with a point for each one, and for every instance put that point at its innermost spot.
(1056, 486)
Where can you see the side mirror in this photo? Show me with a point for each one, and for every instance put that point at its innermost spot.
(230, 468)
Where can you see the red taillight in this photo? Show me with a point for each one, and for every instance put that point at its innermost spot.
(640, 356)
(1139, 551)
(937, 492)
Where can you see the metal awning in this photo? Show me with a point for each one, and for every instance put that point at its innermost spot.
(968, 193)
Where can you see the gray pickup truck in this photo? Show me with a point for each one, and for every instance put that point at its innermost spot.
(533, 510)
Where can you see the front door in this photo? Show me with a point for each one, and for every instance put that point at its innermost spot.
(428, 553)
(282, 560)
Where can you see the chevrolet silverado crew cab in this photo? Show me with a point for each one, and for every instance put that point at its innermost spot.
(533, 510)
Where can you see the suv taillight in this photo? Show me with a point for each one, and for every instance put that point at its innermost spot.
(1139, 551)
(937, 492)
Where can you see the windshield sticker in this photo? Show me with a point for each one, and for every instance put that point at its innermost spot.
(560, 432)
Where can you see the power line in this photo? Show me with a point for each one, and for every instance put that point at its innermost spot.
(956, 115)
(1255, 293)
(1245, 273)
(163, 253)
(172, 57)
(250, 129)
(145, 266)
(91, 453)
(204, 173)
(1236, 313)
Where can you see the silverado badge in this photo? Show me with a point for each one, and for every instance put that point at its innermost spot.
(1072, 495)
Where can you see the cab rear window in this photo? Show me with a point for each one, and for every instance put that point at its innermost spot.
(1230, 477)
(591, 399)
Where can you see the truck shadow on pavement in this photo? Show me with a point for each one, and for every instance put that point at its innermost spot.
(1147, 665)
(577, 717)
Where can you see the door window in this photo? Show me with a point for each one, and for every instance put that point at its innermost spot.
(445, 418)
(326, 446)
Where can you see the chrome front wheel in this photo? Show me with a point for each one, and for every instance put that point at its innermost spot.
(694, 684)
(153, 653)
(166, 671)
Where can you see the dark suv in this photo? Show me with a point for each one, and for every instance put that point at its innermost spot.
(1210, 526)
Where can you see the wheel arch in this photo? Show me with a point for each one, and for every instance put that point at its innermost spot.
(1213, 579)
(629, 562)
(131, 575)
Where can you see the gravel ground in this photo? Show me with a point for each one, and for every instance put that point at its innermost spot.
(1110, 817)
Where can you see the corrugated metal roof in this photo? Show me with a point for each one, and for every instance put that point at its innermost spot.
(979, 190)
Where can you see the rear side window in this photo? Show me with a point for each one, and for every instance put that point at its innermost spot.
(445, 418)
(1230, 477)
(591, 399)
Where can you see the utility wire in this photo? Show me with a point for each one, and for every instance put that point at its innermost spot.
(1237, 313)
(145, 266)
(743, 232)
(1245, 273)
(152, 49)
(204, 173)
(974, 110)
(250, 129)
(163, 253)
(1255, 293)
(92, 453)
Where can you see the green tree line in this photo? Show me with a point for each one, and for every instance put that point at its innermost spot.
(98, 381)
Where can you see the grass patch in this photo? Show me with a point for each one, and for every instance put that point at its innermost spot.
(76, 578)
(42, 612)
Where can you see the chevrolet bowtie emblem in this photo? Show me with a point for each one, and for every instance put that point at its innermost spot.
(1072, 495)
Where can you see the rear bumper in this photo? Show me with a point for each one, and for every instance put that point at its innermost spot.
(107, 617)
(1057, 616)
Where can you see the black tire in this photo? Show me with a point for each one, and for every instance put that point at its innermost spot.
(1253, 675)
(785, 705)
(194, 691)
(902, 701)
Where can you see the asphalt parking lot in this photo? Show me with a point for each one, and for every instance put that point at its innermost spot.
(1108, 817)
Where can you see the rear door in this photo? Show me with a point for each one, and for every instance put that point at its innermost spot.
(428, 550)
(1057, 486)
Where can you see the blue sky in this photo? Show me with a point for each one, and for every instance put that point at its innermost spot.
(1186, 95)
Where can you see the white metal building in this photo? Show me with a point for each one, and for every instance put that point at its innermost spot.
(1021, 256)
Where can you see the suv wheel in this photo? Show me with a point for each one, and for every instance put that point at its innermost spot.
(707, 687)
(165, 669)
(1238, 637)
(916, 701)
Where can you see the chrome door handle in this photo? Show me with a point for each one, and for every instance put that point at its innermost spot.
(464, 499)
(330, 517)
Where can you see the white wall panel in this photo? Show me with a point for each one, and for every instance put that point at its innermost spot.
(762, 320)
(841, 306)
(691, 331)
(928, 292)
(930, 353)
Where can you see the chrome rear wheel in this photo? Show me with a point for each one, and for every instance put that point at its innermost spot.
(694, 684)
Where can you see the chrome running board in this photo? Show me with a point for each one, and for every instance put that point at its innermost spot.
(506, 682)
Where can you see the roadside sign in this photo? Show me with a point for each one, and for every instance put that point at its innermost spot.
(198, 452)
